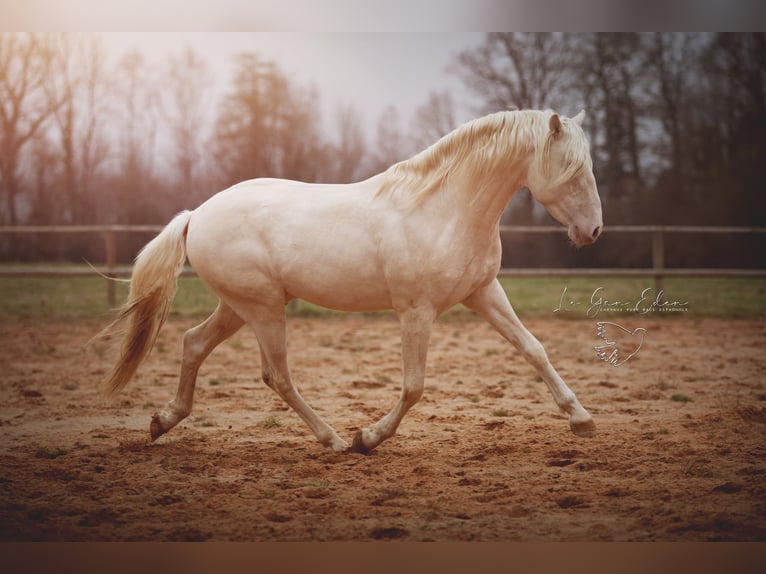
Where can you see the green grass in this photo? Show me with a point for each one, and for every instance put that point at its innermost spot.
(732, 298)
(85, 297)
(272, 423)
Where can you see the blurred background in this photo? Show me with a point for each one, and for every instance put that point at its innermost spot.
(131, 128)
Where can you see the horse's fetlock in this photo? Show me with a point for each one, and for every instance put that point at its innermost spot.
(176, 411)
(568, 401)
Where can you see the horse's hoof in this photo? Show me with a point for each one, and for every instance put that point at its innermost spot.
(155, 428)
(358, 444)
(339, 445)
(585, 428)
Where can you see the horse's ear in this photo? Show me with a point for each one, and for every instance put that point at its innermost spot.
(555, 124)
(579, 118)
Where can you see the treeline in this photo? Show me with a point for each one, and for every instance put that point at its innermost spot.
(86, 141)
(677, 124)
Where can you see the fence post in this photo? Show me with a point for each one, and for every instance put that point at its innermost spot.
(658, 259)
(111, 263)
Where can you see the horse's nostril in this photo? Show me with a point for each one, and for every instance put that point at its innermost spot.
(596, 232)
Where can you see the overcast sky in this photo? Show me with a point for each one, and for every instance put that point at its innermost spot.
(369, 70)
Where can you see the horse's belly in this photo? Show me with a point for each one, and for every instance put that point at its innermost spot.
(341, 295)
(253, 273)
(335, 268)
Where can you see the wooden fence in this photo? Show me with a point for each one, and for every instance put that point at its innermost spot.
(658, 271)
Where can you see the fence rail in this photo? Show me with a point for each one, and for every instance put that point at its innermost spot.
(658, 271)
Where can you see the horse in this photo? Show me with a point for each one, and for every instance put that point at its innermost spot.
(417, 238)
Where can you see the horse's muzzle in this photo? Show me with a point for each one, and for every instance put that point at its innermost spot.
(582, 237)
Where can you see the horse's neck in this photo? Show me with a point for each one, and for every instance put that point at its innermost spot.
(482, 198)
(486, 179)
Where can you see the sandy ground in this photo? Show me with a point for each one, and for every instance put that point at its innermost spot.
(680, 454)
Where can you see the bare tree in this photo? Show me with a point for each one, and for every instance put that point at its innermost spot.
(80, 84)
(434, 119)
(348, 153)
(612, 75)
(137, 102)
(674, 100)
(267, 127)
(184, 108)
(41, 182)
(303, 154)
(517, 70)
(391, 146)
(741, 58)
(25, 105)
(731, 139)
(669, 55)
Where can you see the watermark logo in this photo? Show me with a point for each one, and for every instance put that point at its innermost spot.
(619, 344)
(646, 302)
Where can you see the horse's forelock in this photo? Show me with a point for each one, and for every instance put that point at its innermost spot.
(577, 158)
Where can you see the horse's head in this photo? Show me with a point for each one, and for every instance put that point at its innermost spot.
(561, 178)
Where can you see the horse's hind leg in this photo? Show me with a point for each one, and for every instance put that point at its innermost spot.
(266, 375)
(492, 303)
(270, 329)
(198, 344)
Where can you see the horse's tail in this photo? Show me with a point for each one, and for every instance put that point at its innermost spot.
(152, 287)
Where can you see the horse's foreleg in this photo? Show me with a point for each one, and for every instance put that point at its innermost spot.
(272, 340)
(416, 331)
(198, 344)
(492, 303)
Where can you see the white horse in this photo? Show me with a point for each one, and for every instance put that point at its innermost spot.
(418, 238)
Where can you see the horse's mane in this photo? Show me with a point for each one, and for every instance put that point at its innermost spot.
(480, 146)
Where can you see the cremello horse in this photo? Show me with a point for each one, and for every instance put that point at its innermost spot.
(418, 238)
